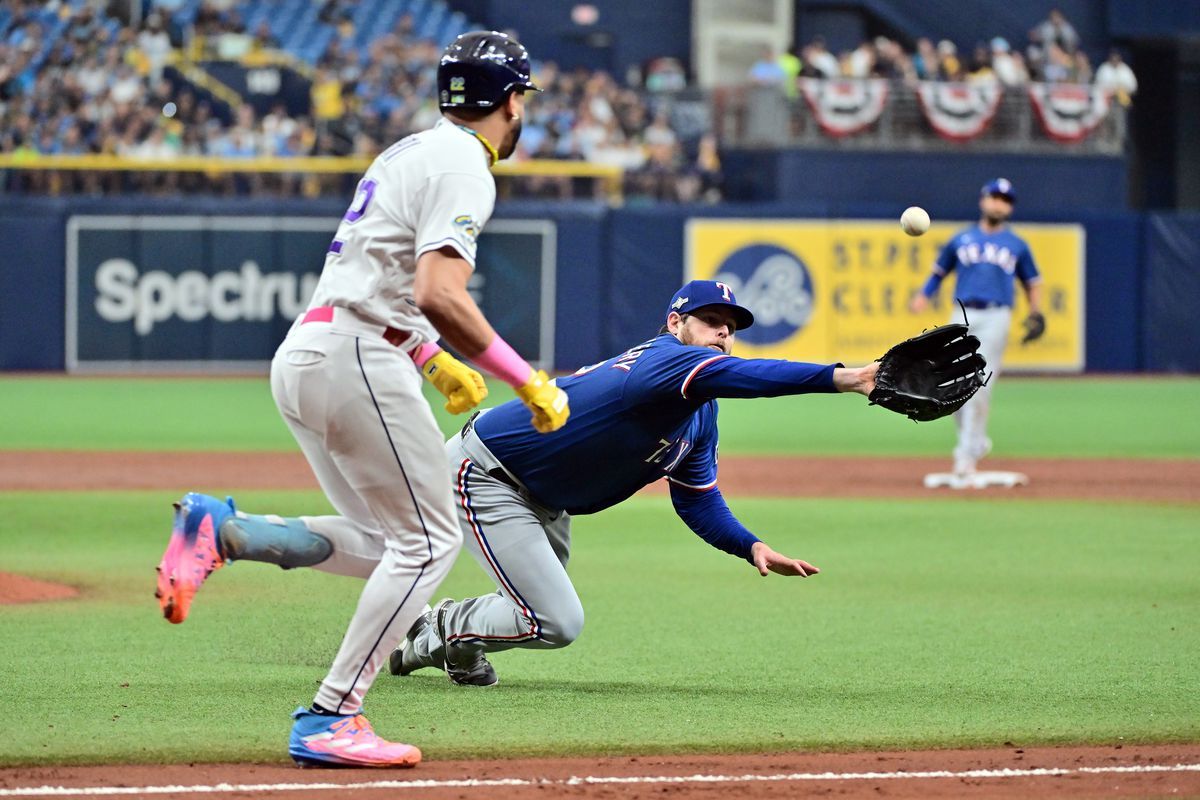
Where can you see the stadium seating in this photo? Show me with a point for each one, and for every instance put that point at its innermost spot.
(300, 30)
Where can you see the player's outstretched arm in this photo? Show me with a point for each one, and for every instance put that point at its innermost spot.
(767, 561)
(856, 379)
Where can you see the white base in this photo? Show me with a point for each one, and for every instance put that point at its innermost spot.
(975, 480)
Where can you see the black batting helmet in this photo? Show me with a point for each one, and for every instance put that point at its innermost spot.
(480, 68)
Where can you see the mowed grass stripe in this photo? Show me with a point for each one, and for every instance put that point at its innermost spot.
(934, 623)
(1117, 418)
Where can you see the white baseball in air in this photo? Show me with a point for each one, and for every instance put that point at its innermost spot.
(914, 221)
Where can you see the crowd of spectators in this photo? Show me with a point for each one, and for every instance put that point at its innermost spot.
(100, 88)
(75, 81)
(1052, 54)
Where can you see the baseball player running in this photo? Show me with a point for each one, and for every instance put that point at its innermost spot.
(647, 413)
(347, 380)
(987, 256)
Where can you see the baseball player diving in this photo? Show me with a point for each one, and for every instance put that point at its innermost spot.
(647, 413)
(988, 257)
(347, 380)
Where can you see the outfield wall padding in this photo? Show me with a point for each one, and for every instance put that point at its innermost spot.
(616, 267)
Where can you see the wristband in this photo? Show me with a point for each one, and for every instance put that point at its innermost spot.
(424, 353)
(502, 361)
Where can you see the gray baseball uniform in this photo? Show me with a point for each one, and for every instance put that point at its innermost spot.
(350, 393)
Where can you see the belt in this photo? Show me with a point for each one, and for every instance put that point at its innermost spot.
(393, 336)
(980, 304)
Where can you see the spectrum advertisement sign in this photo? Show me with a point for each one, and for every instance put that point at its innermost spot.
(170, 293)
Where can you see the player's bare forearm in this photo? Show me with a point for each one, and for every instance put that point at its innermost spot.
(767, 561)
(1033, 293)
(440, 291)
(856, 379)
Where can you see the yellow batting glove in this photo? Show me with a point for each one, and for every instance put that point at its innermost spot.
(464, 387)
(547, 402)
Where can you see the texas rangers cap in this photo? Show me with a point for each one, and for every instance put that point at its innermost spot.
(1001, 187)
(698, 294)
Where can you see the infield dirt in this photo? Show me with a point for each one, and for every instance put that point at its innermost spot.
(1138, 480)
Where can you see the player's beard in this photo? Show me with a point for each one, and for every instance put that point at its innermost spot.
(509, 145)
(686, 337)
(996, 219)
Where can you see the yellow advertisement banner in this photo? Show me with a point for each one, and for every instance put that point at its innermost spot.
(838, 290)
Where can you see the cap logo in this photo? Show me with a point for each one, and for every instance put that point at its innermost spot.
(680, 303)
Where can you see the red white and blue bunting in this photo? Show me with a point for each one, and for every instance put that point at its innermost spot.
(845, 106)
(959, 111)
(1068, 112)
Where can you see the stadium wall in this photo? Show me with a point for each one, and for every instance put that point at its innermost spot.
(613, 267)
(941, 183)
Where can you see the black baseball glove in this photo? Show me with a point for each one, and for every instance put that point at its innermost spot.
(931, 375)
(1035, 326)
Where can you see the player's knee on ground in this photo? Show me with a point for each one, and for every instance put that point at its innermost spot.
(563, 627)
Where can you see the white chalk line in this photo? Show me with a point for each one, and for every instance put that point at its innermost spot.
(484, 783)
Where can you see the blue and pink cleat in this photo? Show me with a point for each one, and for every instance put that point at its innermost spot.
(320, 740)
(192, 554)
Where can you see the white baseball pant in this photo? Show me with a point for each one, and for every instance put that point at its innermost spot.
(354, 403)
(991, 326)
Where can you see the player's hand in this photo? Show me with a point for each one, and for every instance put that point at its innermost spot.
(1035, 326)
(547, 402)
(767, 561)
(463, 387)
(918, 303)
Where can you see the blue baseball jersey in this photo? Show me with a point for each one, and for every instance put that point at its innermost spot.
(986, 263)
(647, 413)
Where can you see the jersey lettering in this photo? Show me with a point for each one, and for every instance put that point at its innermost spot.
(362, 199)
(990, 253)
(407, 143)
(677, 450)
(657, 455)
(626, 360)
(684, 447)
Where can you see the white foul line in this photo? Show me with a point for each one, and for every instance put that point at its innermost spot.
(472, 783)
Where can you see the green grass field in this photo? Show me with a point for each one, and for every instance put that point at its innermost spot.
(948, 621)
(1097, 417)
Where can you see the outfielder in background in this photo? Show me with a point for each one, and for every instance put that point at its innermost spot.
(988, 257)
(347, 380)
(635, 418)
